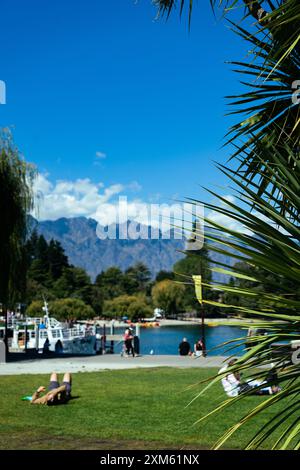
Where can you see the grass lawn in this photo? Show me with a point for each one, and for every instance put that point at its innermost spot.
(133, 409)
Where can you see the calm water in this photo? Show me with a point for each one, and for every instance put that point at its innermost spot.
(165, 340)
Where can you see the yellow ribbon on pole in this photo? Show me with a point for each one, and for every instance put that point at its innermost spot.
(198, 287)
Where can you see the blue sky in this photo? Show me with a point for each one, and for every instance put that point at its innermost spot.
(100, 92)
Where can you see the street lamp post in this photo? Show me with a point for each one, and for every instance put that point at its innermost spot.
(198, 289)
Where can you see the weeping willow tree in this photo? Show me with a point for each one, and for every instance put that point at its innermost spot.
(265, 178)
(16, 200)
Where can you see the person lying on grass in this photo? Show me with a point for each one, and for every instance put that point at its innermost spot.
(233, 385)
(57, 394)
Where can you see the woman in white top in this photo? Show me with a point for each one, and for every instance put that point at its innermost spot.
(233, 386)
(230, 382)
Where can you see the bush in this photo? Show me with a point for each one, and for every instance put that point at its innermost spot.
(130, 305)
(169, 296)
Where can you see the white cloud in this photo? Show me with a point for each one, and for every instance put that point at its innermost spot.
(42, 184)
(80, 197)
(100, 155)
(226, 221)
(84, 198)
(135, 187)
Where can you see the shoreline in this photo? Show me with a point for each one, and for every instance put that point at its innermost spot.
(207, 321)
(170, 322)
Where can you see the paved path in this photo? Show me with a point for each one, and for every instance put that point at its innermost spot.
(108, 361)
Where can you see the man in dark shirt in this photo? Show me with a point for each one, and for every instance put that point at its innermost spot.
(184, 347)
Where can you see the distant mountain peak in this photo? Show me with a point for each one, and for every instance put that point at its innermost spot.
(78, 237)
(85, 249)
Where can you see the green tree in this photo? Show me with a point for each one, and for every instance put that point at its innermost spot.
(168, 295)
(195, 262)
(129, 284)
(96, 299)
(35, 309)
(37, 291)
(162, 275)
(45, 261)
(51, 276)
(133, 306)
(140, 276)
(74, 282)
(44, 265)
(111, 283)
(31, 246)
(38, 259)
(62, 309)
(249, 281)
(57, 259)
(139, 309)
(118, 306)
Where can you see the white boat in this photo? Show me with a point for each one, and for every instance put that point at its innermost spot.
(48, 334)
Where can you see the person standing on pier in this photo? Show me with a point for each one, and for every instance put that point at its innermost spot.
(128, 338)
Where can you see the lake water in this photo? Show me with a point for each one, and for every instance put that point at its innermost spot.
(165, 340)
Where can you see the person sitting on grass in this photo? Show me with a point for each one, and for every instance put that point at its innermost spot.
(57, 394)
(233, 385)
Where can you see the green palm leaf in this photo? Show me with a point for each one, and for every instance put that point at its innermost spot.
(270, 245)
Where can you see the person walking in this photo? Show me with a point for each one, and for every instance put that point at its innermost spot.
(128, 339)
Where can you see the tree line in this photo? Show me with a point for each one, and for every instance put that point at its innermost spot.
(114, 293)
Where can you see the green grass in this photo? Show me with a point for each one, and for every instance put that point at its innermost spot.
(133, 409)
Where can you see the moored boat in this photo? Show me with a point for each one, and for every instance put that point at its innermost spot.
(46, 334)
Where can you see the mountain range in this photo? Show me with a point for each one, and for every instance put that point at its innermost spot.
(78, 237)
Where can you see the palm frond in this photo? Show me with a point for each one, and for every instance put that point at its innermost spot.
(270, 244)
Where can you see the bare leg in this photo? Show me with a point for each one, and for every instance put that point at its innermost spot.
(67, 378)
(68, 381)
(53, 377)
